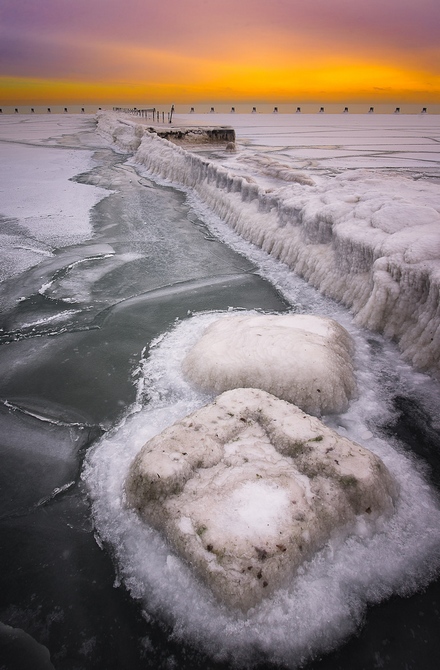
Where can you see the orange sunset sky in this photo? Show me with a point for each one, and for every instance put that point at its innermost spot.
(187, 51)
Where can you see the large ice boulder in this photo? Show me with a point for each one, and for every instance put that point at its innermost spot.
(300, 358)
(249, 487)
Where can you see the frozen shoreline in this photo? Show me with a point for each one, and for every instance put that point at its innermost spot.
(42, 206)
(95, 336)
(369, 240)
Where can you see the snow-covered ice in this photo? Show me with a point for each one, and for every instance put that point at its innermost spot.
(298, 209)
(41, 207)
(325, 600)
(318, 175)
(249, 487)
(368, 238)
(300, 358)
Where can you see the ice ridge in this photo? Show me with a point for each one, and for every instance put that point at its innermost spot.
(369, 242)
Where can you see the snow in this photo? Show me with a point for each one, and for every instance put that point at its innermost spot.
(325, 600)
(367, 238)
(41, 207)
(300, 358)
(249, 487)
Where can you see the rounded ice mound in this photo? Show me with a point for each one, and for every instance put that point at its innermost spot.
(300, 358)
(249, 487)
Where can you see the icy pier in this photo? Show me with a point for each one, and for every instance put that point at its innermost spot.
(216, 134)
(121, 129)
(369, 239)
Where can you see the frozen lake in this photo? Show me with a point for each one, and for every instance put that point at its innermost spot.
(109, 274)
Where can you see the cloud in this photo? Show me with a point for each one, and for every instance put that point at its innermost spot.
(197, 42)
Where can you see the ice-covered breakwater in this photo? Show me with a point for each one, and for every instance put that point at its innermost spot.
(369, 241)
(128, 135)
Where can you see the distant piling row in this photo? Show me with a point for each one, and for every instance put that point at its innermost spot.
(161, 116)
(156, 115)
(49, 110)
(298, 110)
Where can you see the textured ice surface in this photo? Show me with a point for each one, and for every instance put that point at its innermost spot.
(300, 358)
(325, 600)
(248, 487)
(52, 208)
(40, 206)
(367, 240)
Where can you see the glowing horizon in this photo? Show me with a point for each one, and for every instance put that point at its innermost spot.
(103, 51)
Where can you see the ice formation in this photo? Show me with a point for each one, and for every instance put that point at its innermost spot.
(371, 242)
(249, 487)
(41, 206)
(300, 358)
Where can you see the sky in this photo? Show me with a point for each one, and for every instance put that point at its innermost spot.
(187, 51)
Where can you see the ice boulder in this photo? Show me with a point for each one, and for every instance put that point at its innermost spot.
(300, 358)
(249, 487)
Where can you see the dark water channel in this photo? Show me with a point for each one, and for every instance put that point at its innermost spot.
(66, 361)
(68, 351)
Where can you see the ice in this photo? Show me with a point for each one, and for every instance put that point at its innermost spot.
(20, 650)
(41, 207)
(369, 240)
(42, 185)
(329, 597)
(326, 600)
(301, 358)
(39, 452)
(249, 487)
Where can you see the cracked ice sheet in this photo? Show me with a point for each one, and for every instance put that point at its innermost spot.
(379, 141)
(40, 206)
(37, 192)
